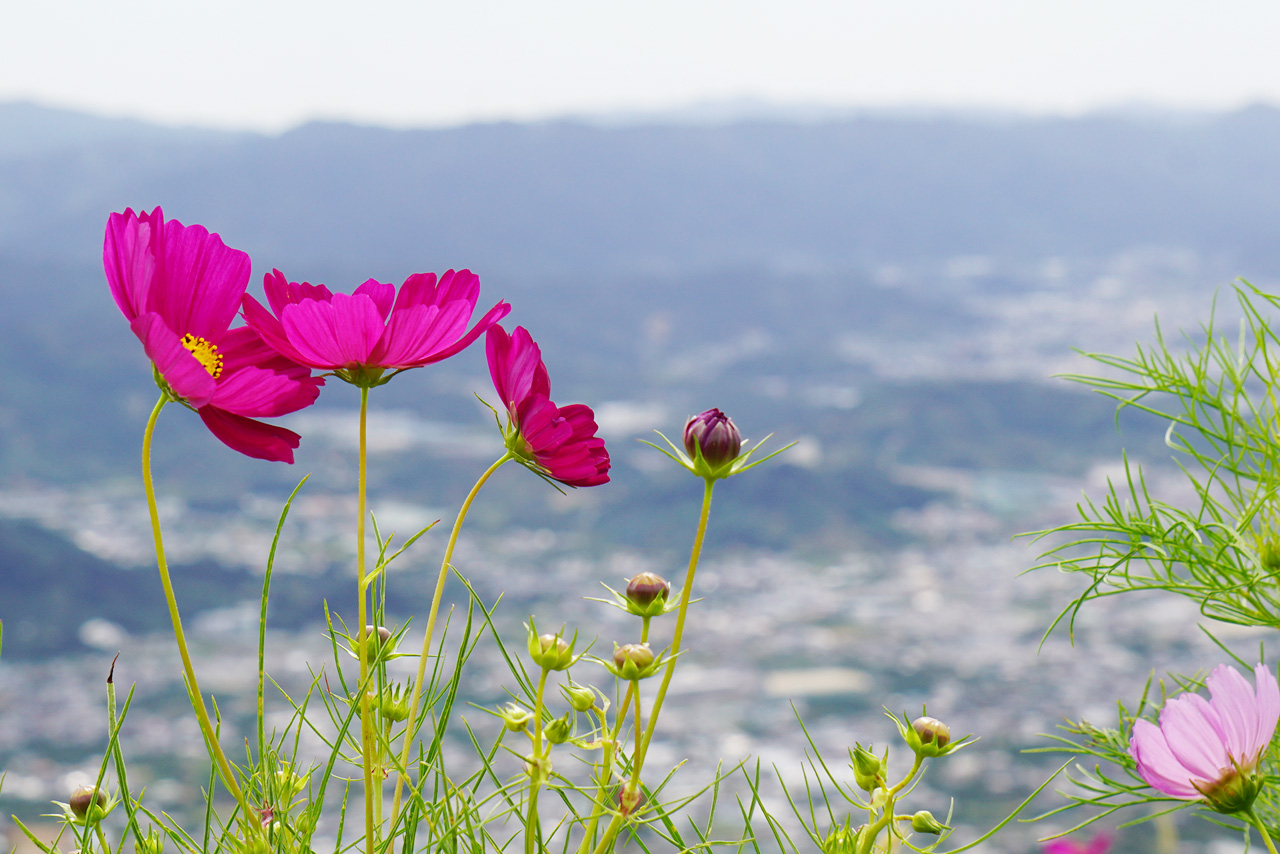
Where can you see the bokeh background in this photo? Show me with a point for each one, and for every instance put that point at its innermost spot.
(878, 230)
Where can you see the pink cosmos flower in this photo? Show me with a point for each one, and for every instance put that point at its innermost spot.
(556, 442)
(1100, 844)
(180, 286)
(361, 335)
(1208, 749)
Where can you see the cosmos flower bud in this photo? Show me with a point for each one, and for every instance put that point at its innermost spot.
(879, 798)
(85, 797)
(558, 730)
(580, 697)
(712, 437)
(868, 769)
(932, 731)
(394, 703)
(647, 594)
(375, 639)
(288, 784)
(928, 737)
(88, 806)
(924, 822)
(515, 718)
(1269, 556)
(538, 769)
(842, 840)
(633, 660)
(151, 843)
(629, 799)
(550, 651)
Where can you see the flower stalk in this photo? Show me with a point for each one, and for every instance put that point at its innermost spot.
(536, 767)
(362, 637)
(1262, 829)
(162, 564)
(429, 634)
(642, 743)
(709, 485)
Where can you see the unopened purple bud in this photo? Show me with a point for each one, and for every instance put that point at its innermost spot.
(713, 434)
(646, 588)
(84, 797)
(633, 661)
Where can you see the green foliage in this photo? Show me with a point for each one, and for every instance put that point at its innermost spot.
(1218, 402)
(1216, 396)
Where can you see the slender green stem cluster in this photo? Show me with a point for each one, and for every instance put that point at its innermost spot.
(375, 722)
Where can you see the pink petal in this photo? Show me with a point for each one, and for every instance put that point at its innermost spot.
(340, 333)
(579, 463)
(463, 286)
(1061, 846)
(541, 425)
(198, 281)
(1157, 764)
(1101, 844)
(414, 334)
(251, 438)
(491, 317)
(1237, 707)
(281, 292)
(1194, 733)
(581, 418)
(261, 393)
(1268, 706)
(515, 365)
(244, 346)
(181, 370)
(266, 325)
(383, 295)
(418, 289)
(128, 259)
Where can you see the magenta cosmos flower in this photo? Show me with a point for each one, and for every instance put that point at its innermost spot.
(1208, 749)
(180, 287)
(556, 442)
(361, 335)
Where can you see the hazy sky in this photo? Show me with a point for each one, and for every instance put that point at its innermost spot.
(270, 64)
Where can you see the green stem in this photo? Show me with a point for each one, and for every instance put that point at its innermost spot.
(634, 691)
(886, 814)
(430, 632)
(1262, 830)
(102, 838)
(685, 595)
(609, 833)
(535, 779)
(193, 687)
(637, 762)
(366, 724)
(606, 767)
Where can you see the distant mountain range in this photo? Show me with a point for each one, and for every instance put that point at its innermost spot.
(559, 197)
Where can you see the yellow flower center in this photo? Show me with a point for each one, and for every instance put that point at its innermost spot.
(206, 354)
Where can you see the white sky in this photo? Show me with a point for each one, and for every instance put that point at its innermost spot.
(270, 64)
